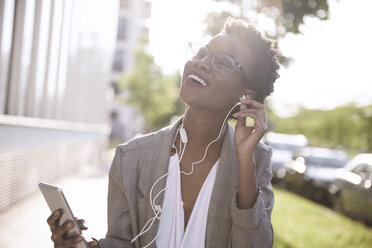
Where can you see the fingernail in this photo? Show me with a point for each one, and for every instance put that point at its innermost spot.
(56, 213)
(70, 224)
(80, 238)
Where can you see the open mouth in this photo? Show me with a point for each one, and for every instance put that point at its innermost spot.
(197, 79)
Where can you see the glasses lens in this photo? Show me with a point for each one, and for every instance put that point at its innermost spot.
(223, 63)
(197, 51)
(220, 62)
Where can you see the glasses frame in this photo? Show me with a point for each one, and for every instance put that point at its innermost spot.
(237, 66)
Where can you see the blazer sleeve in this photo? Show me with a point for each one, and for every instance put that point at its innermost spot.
(252, 227)
(119, 232)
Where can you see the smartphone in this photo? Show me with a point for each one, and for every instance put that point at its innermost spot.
(56, 199)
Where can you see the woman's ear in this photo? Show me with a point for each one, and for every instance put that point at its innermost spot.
(250, 94)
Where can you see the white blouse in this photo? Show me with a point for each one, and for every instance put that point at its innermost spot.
(171, 227)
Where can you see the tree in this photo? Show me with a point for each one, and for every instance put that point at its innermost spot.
(366, 115)
(150, 91)
(347, 126)
(285, 15)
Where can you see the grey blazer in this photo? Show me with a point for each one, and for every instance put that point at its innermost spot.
(140, 162)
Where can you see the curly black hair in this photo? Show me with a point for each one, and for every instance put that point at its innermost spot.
(263, 68)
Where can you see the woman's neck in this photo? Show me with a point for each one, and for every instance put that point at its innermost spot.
(202, 127)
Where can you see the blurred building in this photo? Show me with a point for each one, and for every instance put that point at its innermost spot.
(55, 95)
(133, 14)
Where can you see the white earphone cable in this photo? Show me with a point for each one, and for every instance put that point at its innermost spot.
(206, 150)
(157, 208)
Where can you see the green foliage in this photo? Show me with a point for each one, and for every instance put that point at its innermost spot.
(214, 21)
(154, 94)
(300, 223)
(286, 16)
(347, 126)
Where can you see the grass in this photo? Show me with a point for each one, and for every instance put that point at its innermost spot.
(301, 223)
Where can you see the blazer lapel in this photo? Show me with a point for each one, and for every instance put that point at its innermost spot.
(155, 165)
(225, 186)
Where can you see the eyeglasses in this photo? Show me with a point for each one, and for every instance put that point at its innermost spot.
(222, 63)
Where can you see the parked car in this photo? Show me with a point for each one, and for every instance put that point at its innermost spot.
(312, 170)
(284, 146)
(352, 190)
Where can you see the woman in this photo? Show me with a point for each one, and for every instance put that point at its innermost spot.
(197, 183)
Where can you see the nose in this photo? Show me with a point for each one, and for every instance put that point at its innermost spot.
(205, 63)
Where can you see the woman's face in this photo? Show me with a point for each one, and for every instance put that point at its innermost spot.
(216, 92)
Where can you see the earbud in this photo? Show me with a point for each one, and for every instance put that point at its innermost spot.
(243, 97)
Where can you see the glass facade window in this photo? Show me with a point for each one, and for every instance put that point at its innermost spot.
(52, 71)
(122, 27)
(6, 30)
(148, 6)
(124, 4)
(63, 60)
(56, 58)
(38, 58)
(21, 57)
(145, 32)
(118, 60)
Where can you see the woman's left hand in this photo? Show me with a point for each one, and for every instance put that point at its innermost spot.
(247, 138)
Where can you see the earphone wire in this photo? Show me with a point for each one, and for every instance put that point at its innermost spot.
(182, 150)
(206, 150)
(157, 208)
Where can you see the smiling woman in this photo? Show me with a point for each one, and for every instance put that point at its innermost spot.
(197, 182)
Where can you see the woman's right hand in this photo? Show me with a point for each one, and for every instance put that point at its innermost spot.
(59, 231)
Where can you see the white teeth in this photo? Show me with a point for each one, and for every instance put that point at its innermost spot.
(201, 81)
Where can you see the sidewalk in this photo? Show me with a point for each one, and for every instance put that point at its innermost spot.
(25, 226)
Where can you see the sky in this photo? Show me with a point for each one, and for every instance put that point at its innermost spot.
(332, 59)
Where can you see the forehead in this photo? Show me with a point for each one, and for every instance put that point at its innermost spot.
(226, 43)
